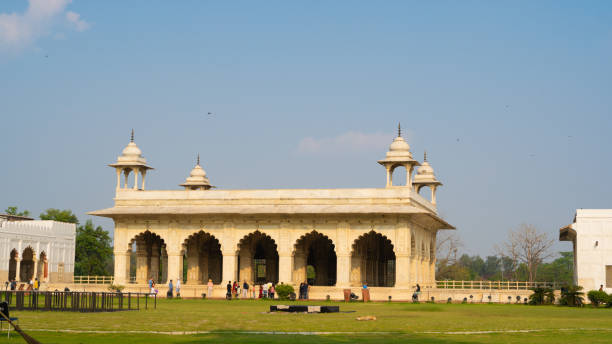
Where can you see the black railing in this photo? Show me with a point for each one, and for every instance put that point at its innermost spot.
(76, 301)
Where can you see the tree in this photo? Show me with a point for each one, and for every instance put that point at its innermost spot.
(559, 270)
(525, 245)
(59, 215)
(447, 264)
(13, 211)
(94, 254)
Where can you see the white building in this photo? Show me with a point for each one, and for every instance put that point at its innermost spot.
(36, 249)
(591, 235)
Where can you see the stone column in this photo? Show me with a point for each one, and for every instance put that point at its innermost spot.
(299, 268)
(246, 263)
(120, 271)
(35, 271)
(204, 266)
(144, 173)
(154, 268)
(414, 276)
(175, 266)
(343, 270)
(118, 178)
(432, 271)
(285, 268)
(229, 266)
(18, 269)
(402, 270)
(164, 265)
(193, 265)
(355, 274)
(142, 266)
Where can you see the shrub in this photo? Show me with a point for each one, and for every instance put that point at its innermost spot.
(541, 296)
(116, 288)
(283, 291)
(572, 296)
(597, 297)
(609, 301)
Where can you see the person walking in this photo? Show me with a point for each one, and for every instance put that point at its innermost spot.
(306, 290)
(260, 291)
(178, 287)
(210, 286)
(13, 284)
(301, 291)
(245, 289)
(170, 290)
(228, 294)
(36, 283)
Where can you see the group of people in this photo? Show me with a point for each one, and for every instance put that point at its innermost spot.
(235, 290)
(171, 287)
(303, 291)
(33, 284)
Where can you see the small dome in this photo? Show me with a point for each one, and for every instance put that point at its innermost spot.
(197, 179)
(399, 152)
(425, 174)
(131, 156)
(399, 145)
(197, 171)
(131, 150)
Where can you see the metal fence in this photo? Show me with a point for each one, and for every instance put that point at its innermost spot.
(77, 301)
(500, 285)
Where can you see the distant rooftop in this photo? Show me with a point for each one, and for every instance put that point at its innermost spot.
(8, 217)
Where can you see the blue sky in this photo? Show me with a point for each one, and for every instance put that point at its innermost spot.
(511, 100)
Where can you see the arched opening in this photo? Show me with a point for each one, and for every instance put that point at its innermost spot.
(424, 191)
(258, 259)
(204, 258)
(373, 261)
(399, 175)
(148, 258)
(26, 269)
(42, 269)
(13, 265)
(314, 260)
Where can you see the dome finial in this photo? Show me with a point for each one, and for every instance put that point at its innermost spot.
(198, 163)
(399, 129)
(132, 137)
(425, 156)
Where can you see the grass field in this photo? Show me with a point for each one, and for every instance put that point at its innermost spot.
(219, 321)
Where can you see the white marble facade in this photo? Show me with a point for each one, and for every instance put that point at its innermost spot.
(37, 249)
(591, 236)
(384, 237)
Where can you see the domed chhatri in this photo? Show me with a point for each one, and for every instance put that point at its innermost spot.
(399, 155)
(197, 179)
(131, 159)
(425, 177)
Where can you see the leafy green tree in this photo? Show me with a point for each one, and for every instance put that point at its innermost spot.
(13, 211)
(94, 254)
(59, 215)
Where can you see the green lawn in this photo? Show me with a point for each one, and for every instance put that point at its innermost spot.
(219, 321)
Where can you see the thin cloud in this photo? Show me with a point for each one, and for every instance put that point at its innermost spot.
(19, 30)
(349, 142)
(75, 19)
